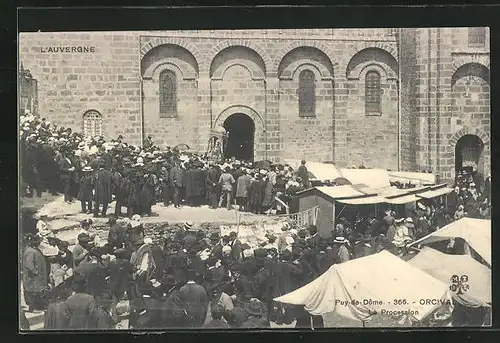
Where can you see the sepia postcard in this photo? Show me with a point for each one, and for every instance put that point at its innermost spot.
(255, 179)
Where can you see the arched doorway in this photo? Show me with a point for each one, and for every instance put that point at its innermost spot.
(469, 156)
(241, 135)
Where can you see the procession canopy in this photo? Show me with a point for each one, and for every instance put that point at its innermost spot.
(216, 143)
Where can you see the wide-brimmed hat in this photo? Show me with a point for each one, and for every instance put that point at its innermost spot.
(409, 220)
(255, 308)
(340, 240)
(87, 169)
(83, 237)
(421, 206)
(188, 225)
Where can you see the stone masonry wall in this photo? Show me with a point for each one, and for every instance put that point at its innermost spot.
(109, 81)
(372, 139)
(72, 83)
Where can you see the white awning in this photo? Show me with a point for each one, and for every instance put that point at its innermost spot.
(363, 200)
(406, 199)
(374, 178)
(435, 193)
(411, 177)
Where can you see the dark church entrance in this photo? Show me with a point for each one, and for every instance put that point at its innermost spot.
(469, 157)
(241, 131)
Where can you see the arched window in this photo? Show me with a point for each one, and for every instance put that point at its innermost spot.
(92, 124)
(477, 37)
(168, 94)
(372, 93)
(307, 94)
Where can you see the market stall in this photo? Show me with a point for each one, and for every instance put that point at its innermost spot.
(376, 285)
(469, 279)
(476, 232)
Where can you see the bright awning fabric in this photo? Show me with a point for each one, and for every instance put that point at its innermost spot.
(375, 178)
(374, 199)
(444, 266)
(340, 192)
(476, 232)
(412, 177)
(381, 277)
(406, 199)
(318, 171)
(435, 193)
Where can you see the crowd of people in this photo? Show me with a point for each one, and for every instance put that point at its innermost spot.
(187, 277)
(94, 171)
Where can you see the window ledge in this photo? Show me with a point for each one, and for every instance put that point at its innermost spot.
(373, 114)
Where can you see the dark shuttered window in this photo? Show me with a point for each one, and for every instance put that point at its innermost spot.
(168, 94)
(477, 36)
(307, 94)
(372, 93)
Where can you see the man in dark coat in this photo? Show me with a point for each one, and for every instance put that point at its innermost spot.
(303, 173)
(35, 276)
(191, 187)
(102, 190)
(195, 302)
(120, 273)
(118, 190)
(257, 315)
(165, 186)
(217, 322)
(256, 195)
(116, 235)
(283, 283)
(58, 315)
(103, 318)
(211, 181)
(67, 170)
(85, 191)
(176, 181)
(82, 308)
(93, 273)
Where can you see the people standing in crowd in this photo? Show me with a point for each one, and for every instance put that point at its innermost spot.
(67, 170)
(102, 189)
(35, 274)
(242, 187)
(176, 181)
(226, 180)
(85, 194)
(188, 278)
(303, 173)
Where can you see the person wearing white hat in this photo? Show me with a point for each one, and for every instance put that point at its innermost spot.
(139, 162)
(342, 252)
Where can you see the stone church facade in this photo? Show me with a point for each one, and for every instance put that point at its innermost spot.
(395, 99)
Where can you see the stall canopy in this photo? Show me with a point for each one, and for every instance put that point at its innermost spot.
(476, 232)
(336, 192)
(318, 171)
(375, 178)
(444, 266)
(359, 289)
(435, 191)
(411, 177)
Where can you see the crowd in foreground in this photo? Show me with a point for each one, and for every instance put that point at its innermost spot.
(183, 277)
(187, 277)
